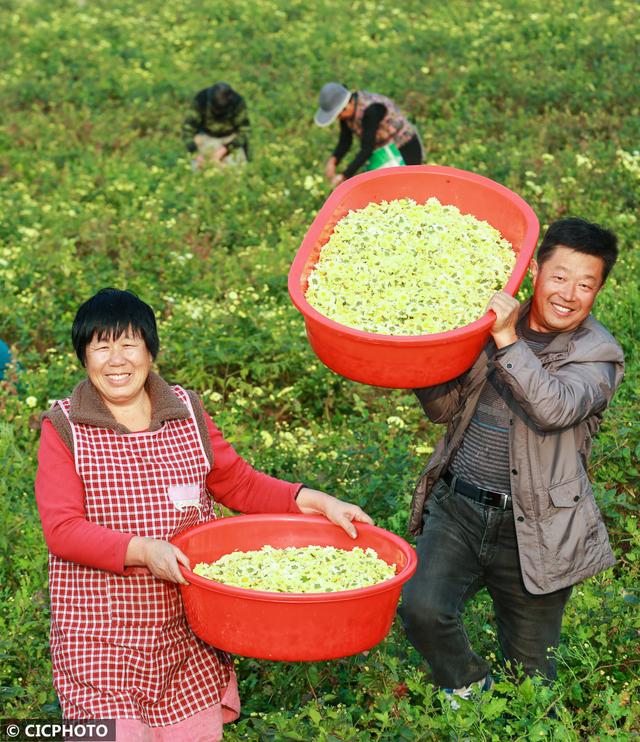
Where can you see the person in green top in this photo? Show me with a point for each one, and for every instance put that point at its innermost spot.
(217, 128)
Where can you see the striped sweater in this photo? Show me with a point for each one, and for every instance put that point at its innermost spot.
(483, 456)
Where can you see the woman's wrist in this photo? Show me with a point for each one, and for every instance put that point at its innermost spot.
(136, 554)
(312, 501)
(303, 496)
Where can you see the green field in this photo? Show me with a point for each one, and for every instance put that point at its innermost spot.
(97, 191)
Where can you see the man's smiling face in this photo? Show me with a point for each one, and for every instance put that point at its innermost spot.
(565, 288)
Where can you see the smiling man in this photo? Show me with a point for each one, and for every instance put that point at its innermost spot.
(505, 502)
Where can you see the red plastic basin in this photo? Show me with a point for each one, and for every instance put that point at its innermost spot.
(411, 360)
(289, 626)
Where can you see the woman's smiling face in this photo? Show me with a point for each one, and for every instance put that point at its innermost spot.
(118, 367)
(565, 287)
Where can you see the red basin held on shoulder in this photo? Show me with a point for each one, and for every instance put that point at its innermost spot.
(410, 361)
(290, 626)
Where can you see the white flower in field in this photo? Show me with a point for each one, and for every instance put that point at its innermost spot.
(195, 311)
(395, 422)
(630, 161)
(309, 182)
(287, 439)
(284, 391)
(585, 162)
(267, 438)
(28, 232)
(423, 449)
(31, 401)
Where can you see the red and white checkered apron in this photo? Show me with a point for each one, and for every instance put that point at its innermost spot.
(120, 645)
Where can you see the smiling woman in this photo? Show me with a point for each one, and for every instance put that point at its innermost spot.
(125, 464)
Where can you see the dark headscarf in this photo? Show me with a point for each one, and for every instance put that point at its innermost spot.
(220, 99)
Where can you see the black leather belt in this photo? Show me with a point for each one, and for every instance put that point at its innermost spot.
(484, 497)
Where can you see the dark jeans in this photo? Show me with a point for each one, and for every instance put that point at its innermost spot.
(466, 546)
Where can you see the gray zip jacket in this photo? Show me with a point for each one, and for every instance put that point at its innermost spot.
(556, 401)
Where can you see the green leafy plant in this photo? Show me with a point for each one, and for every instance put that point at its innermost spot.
(97, 190)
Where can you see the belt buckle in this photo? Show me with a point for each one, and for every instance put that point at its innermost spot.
(504, 501)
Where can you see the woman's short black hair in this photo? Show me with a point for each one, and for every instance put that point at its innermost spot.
(582, 236)
(108, 315)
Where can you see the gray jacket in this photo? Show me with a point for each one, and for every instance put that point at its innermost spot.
(556, 401)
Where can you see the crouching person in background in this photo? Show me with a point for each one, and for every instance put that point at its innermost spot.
(217, 129)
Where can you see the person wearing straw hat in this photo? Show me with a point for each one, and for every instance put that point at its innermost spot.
(125, 463)
(386, 137)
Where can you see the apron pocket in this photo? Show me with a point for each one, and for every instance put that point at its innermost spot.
(142, 601)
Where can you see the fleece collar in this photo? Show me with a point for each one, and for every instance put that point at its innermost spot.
(87, 408)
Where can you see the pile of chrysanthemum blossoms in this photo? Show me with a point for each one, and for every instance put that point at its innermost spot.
(303, 569)
(402, 268)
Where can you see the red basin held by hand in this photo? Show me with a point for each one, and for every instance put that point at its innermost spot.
(290, 626)
(410, 361)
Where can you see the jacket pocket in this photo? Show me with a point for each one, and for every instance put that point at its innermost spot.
(569, 493)
(572, 536)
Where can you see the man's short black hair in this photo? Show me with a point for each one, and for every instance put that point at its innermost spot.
(583, 236)
(108, 315)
